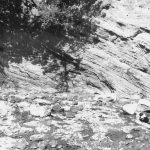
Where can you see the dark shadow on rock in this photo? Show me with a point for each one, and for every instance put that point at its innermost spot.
(47, 51)
(23, 37)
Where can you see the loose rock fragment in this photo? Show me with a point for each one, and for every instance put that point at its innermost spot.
(53, 143)
(34, 145)
(40, 111)
(21, 144)
(4, 108)
(70, 114)
(66, 108)
(37, 137)
(75, 103)
(75, 109)
(129, 136)
(42, 145)
(59, 146)
(57, 108)
(130, 108)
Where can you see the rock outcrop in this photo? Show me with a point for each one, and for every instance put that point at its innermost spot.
(119, 58)
(121, 55)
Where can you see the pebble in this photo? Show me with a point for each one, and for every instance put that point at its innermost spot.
(37, 137)
(40, 111)
(34, 145)
(75, 103)
(70, 114)
(21, 144)
(53, 143)
(66, 108)
(130, 108)
(57, 108)
(129, 136)
(80, 107)
(59, 146)
(56, 100)
(74, 109)
(42, 145)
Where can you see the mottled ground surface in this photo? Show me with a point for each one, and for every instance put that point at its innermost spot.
(78, 120)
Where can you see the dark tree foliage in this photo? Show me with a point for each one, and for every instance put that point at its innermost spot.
(72, 17)
(39, 31)
(14, 15)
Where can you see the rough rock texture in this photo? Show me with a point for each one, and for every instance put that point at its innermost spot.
(118, 60)
(79, 120)
(121, 55)
(28, 76)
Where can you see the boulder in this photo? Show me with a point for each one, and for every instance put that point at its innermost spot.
(130, 108)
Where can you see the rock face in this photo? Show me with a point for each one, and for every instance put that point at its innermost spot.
(121, 57)
(28, 76)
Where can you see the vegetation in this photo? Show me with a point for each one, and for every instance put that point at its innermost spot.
(41, 31)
